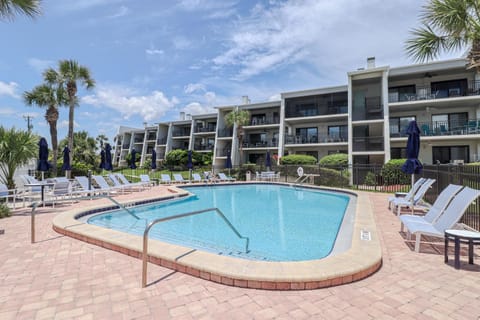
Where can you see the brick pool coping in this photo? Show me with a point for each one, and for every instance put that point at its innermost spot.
(362, 259)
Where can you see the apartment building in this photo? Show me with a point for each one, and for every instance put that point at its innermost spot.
(366, 118)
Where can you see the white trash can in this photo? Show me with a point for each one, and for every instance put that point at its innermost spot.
(248, 176)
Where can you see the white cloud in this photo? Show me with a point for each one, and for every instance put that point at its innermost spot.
(64, 124)
(275, 97)
(122, 11)
(153, 52)
(313, 32)
(213, 9)
(7, 111)
(197, 108)
(40, 64)
(181, 43)
(124, 100)
(9, 89)
(66, 6)
(193, 87)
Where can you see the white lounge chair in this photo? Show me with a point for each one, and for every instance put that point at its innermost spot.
(196, 178)
(6, 194)
(145, 179)
(223, 177)
(436, 209)
(117, 184)
(447, 220)
(179, 179)
(60, 190)
(125, 181)
(103, 185)
(409, 195)
(165, 178)
(400, 203)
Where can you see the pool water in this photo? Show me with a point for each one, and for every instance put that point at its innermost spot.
(282, 223)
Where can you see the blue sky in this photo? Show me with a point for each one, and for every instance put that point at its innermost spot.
(153, 59)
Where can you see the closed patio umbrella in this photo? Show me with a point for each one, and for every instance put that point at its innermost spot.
(66, 159)
(108, 157)
(133, 155)
(189, 163)
(268, 161)
(413, 166)
(154, 159)
(102, 159)
(43, 164)
(228, 162)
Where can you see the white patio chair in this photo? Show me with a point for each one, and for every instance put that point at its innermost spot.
(409, 195)
(436, 209)
(179, 179)
(165, 178)
(400, 203)
(447, 220)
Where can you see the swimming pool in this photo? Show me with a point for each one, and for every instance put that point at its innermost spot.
(358, 257)
(282, 223)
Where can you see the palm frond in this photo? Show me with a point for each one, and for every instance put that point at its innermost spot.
(29, 8)
(448, 16)
(425, 44)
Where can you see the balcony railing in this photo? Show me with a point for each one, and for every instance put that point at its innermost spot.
(367, 144)
(316, 111)
(443, 128)
(138, 140)
(260, 144)
(264, 121)
(181, 133)
(162, 141)
(201, 147)
(222, 133)
(205, 129)
(126, 146)
(427, 93)
(322, 138)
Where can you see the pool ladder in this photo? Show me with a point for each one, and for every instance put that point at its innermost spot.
(178, 216)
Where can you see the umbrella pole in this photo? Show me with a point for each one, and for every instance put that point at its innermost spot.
(413, 182)
(43, 175)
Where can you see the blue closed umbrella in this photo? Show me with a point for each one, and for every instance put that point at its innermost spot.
(413, 165)
(228, 162)
(43, 164)
(66, 159)
(154, 159)
(268, 161)
(102, 159)
(133, 156)
(189, 160)
(108, 157)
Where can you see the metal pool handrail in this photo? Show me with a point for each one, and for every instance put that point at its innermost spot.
(182, 215)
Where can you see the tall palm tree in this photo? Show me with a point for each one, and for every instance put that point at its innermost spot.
(17, 148)
(448, 25)
(238, 118)
(9, 8)
(68, 74)
(46, 96)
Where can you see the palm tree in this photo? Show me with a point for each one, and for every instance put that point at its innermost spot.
(69, 72)
(448, 25)
(238, 118)
(9, 8)
(47, 96)
(17, 148)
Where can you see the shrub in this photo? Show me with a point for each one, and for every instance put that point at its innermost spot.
(298, 159)
(337, 160)
(4, 211)
(370, 179)
(81, 169)
(392, 173)
(176, 157)
(332, 178)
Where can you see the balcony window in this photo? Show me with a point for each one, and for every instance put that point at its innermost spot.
(398, 153)
(401, 93)
(448, 154)
(444, 123)
(307, 135)
(399, 125)
(451, 88)
(338, 132)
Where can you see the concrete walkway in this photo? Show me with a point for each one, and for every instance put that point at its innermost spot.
(63, 278)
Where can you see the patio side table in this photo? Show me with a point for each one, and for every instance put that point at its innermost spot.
(461, 236)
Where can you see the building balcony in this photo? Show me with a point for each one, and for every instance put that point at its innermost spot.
(225, 133)
(201, 147)
(316, 111)
(126, 146)
(322, 138)
(264, 121)
(162, 141)
(210, 129)
(360, 144)
(181, 133)
(222, 152)
(259, 144)
(470, 88)
(443, 128)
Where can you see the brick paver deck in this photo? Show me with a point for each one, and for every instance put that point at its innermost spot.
(62, 278)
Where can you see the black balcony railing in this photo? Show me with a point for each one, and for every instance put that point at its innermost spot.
(260, 144)
(228, 132)
(162, 141)
(367, 144)
(264, 121)
(442, 128)
(202, 147)
(436, 92)
(181, 133)
(222, 152)
(205, 129)
(322, 110)
(321, 138)
(126, 146)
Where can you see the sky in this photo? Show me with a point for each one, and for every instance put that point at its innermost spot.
(153, 59)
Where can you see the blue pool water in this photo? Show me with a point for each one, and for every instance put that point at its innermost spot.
(282, 223)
